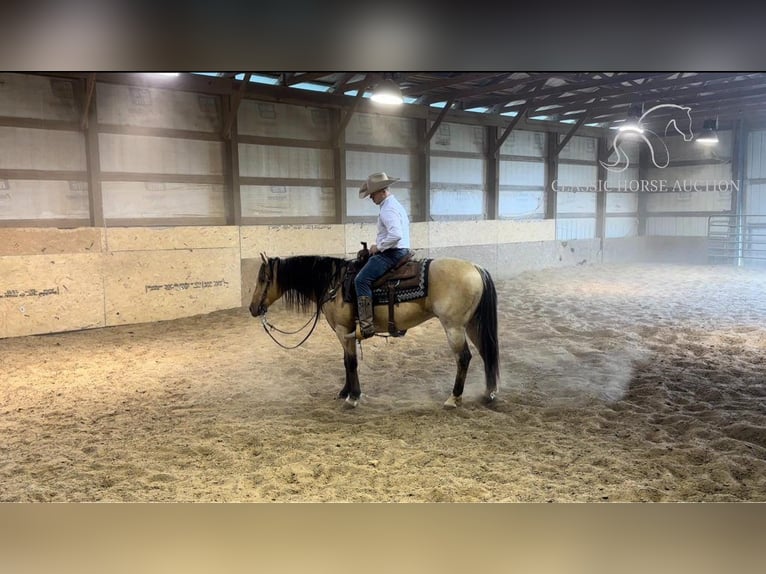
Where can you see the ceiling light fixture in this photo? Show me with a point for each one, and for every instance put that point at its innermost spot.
(387, 92)
(709, 133)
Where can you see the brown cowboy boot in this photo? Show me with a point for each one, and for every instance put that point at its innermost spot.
(366, 328)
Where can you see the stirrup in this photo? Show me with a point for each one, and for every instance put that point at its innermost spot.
(357, 334)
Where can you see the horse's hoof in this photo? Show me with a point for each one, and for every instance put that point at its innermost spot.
(490, 397)
(352, 403)
(453, 402)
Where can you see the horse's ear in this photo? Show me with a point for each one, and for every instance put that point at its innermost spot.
(264, 258)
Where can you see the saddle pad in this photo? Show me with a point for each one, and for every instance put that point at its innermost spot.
(407, 290)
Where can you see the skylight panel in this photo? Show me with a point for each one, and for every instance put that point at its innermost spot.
(311, 87)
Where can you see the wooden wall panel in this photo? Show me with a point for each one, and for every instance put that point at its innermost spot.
(358, 232)
(152, 239)
(36, 241)
(453, 233)
(50, 293)
(461, 233)
(144, 286)
(55, 280)
(525, 231)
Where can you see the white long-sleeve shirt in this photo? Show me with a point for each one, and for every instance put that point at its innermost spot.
(393, 225)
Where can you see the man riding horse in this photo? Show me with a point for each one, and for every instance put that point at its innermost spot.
(391, 245)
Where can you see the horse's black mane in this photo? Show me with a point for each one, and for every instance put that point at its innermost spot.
(306, 279)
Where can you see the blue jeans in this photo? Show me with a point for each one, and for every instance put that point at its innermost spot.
(375, 268)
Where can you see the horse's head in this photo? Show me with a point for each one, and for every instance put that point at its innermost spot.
(266, 288)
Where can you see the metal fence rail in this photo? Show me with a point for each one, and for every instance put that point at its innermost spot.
(737, 239)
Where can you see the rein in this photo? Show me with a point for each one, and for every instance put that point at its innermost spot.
(268, 327)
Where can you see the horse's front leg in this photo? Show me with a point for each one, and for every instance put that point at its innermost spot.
(351, 391)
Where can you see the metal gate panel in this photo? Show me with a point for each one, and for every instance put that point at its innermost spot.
(737, 239)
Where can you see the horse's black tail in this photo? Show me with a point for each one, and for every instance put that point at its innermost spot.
(485, 319)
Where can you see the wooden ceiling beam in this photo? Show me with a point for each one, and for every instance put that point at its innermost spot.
(184, 82)
(304, 77)
(432, 130)
(347, 116)
(470, 92)
(236, 98)
(369, 79)
(616, 79)
(552, 95)
(465, 95)
(724, 95)
(340, 86)
(417, 89)
(683, 97)
(292, 78)
(573, 102)
(570, 134)
(704, 108)
(699, 115)
(495, 146)
(520, 115)
(748, 103)
(89, 89)
(650, 84)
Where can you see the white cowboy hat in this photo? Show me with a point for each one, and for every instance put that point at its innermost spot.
(375, 182)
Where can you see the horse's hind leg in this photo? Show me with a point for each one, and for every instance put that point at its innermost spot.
(459, 346)
(473, 334)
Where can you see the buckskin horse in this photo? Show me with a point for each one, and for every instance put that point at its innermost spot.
(460, 294)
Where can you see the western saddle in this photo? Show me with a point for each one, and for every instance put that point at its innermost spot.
(405, 276)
